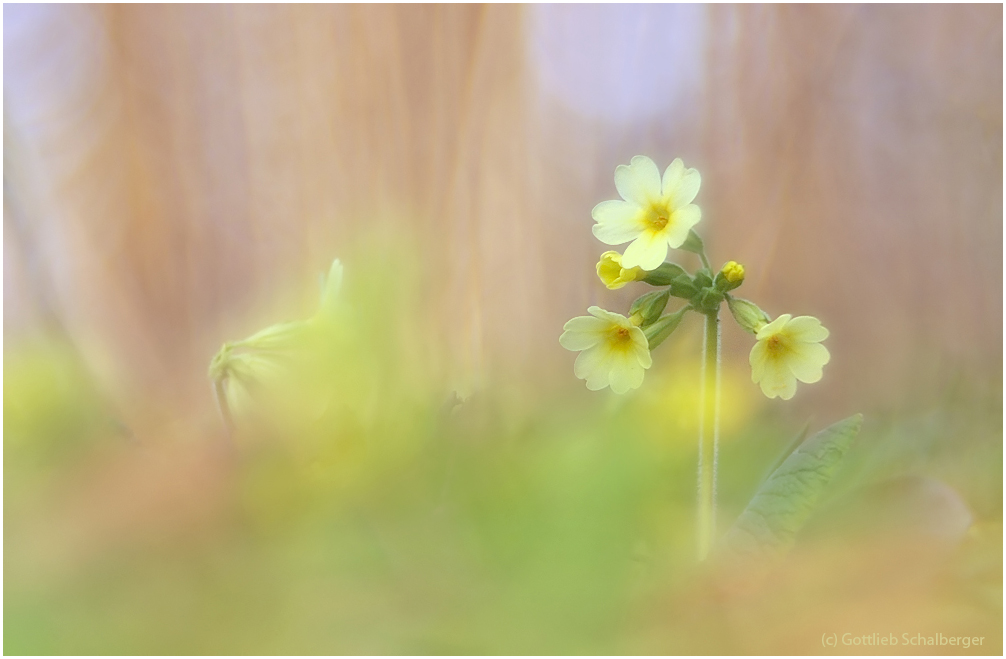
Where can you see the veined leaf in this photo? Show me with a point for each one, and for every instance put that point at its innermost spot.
(784, 502)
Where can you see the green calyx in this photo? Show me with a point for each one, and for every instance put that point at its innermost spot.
(650, 306)
(731, 276)
(662, 328)
(747, 314)
(693, 243)
(707, 300)
(703, 291)
(665, 275)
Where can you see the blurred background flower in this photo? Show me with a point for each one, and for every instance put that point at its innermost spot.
(176, 177)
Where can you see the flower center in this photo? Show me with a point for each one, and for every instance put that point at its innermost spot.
(620, 335)
(658, 220)
(777, 345)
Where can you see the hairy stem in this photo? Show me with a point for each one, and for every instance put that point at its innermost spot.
(705, 261)
(709, 430)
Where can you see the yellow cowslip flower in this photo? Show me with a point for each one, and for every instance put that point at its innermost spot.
(614, 276)
(733, 272)
(654, 214)
(788, 349)
(614, 350)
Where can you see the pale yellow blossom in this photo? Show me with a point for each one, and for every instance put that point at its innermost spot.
(788, 349)
(614, 351)
(654, 213)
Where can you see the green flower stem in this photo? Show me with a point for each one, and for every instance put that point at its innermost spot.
(709, 430)
(705, 261)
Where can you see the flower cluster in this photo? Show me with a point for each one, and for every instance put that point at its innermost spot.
(654, 215)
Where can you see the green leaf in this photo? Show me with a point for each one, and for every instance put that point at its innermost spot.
(693, 243)
(784, 502)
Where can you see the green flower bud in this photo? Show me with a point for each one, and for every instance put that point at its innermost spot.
(662, 328)
(664, 274)
(650, 306)
(747, 314)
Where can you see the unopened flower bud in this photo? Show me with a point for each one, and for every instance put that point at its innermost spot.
(663, 327)
(730, 276)
(747, 314)
(650, 306)
(613, 275)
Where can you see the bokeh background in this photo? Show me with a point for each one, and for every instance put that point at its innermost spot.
(180, 176)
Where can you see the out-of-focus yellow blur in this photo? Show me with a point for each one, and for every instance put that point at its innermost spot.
(435, 479)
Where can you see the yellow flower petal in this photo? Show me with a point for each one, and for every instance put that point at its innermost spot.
(582, 333)
(680, 185)
(772, 328)
(758, 358)
(682, 221)
(806, 328)
(618, 222)
(672, 176)
(647, 251)
(591, 362)
(604, 314)
(778, 382)
(807, 362)
(639, 181)
(642, 349)
(626, 374)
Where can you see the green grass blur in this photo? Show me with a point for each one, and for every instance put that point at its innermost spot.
(376, 511)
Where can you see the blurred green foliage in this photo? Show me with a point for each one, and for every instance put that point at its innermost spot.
(393, 517)
(51, 408)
